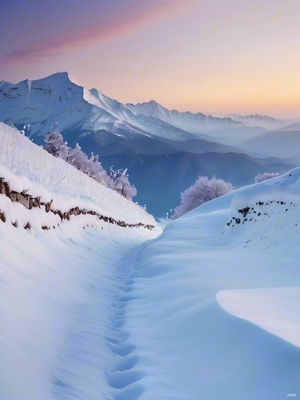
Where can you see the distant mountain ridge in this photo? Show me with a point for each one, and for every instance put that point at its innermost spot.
(254, 120)
(183, 120)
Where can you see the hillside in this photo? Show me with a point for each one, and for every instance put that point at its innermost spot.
(221, 289)
(27, 168)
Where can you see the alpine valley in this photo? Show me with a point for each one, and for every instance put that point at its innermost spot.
(164, 150)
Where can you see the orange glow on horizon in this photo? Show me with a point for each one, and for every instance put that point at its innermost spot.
(201, 56)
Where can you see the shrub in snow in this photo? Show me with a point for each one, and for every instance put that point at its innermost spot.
(54, 143)
(265, 176)
(96, 171)
(78, 159)
(200, 192)
(120, 183)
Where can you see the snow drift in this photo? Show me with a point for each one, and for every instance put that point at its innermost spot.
(204, 268)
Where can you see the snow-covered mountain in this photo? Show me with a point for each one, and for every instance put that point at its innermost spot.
(183, 120)
(208, 309)
(257, 120)
(164, 151)
(225, 130)
(57, 101)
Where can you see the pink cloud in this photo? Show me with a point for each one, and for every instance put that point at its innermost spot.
(131, 18)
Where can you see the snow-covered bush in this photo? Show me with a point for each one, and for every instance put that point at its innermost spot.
(265, 176)
(120, 183)
(200, 192)
(54, 143)
(78, 159)
(96, 171)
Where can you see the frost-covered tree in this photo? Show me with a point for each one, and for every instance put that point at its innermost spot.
(120, 183)
(96, 171)
(200, 192)
(54, 143)
(265, 176)
(116, 180)
(78, 159)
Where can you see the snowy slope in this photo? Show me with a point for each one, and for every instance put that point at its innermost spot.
(60, 180)
(203, 272)
(43, 103)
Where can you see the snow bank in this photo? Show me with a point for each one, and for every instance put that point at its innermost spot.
(276, 310)
(30, 168)
(187, 345)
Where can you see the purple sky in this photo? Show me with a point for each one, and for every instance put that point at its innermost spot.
(216, 56)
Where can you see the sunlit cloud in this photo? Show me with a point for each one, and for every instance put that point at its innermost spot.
(121, 22)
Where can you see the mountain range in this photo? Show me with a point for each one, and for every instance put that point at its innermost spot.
(164, 150)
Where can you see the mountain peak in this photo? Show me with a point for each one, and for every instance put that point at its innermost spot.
(152, 103)
(58, 79)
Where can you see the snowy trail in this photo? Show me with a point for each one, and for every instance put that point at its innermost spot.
(98, 343)
(63, 302)
(122, 378)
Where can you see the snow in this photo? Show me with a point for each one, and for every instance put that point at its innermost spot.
(58, 296)
(58, 101)
(189, 347)
(20, 157)
(113, 107)
(60, 288)
(207, 310)
(183, 120)
(276, 310)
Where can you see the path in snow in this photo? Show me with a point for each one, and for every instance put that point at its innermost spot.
(63, 301)
(98, 358)
(122, 378)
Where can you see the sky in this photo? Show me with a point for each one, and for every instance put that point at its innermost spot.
(210, 56)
